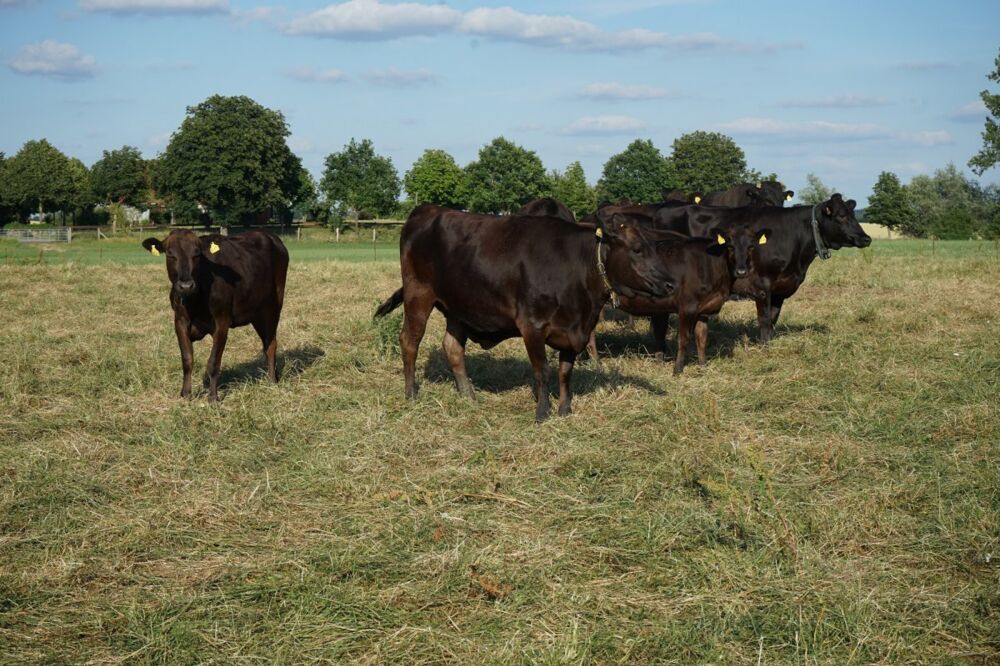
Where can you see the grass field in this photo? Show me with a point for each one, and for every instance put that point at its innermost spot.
(832, 499)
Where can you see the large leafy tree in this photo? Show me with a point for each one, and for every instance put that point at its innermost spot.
(990, 153)
(231, 158)
(504, 178)
(948, 205)
(436, 178)
(40, 178)
(359, 180)
(120, 177)
(889, 204)
(572, 189)
(639, 173)
(7, 207)
(815, 191)
(707, 161)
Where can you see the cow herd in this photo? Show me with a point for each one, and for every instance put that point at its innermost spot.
(538, 274)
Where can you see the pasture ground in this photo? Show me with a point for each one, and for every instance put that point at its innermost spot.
(834, 498)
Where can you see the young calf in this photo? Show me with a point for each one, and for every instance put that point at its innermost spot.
(218, 282)
(702, 271)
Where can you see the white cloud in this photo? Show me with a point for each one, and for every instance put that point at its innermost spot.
(839, 101)
(973, 112)
(401, 78)
(155, 6)
(821, 130)
(592, 125)
(52, 58)
(373, 20)
(310, 75)
(620, 91)
(370, 19)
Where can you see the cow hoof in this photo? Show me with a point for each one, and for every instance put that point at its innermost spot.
(678, 371)
(565, 411)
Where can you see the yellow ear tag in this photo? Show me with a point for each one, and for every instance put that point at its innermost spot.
(697, 200)
(757, 185)
(600, 232)
(153, 251)
(719, 239)
(763, 240)
(788, 197)
(213, 248)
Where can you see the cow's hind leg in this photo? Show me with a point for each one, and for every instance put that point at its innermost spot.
(566, 359)
(268, 333)
(534, 342)
(454, 348)
(416, 309)
(701, 338)
(214, 366)
(685, 327)
(592, 348)
(658, 326)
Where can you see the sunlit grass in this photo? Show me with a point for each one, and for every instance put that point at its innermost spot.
(834, 498)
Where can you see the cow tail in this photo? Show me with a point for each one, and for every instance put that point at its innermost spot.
(391, 303)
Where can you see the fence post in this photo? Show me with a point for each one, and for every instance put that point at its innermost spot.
(338, 234)
(298, 234)
(69, 234)
(374, 248)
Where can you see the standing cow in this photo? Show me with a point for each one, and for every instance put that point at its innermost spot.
(219, 282)
(495, 278)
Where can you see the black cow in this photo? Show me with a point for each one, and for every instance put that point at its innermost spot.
(547, 207)
(219, 282)
(495, 278)
(702, 271)
(767, 193)
(777, 268)
(680, 196)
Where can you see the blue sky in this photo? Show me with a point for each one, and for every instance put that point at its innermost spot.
(841, 89)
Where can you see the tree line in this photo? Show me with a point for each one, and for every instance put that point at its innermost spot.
(229, 163)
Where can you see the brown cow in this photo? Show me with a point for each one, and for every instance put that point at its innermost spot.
(496, 278)
(219, 282)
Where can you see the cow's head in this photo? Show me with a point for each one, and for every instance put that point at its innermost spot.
(633, 265)
(773, 193)
(838, 226)
(184, 251)
(740, 243)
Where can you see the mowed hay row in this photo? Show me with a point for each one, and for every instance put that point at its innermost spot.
(832, 498)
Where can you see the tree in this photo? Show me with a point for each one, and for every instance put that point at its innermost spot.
(7, 207)
(504, 178)
(572, 189)
(639, 173)
(889, 204)
(230, 157)
(436, 178)
(949, 206)
(120, 177)
(707, 161)
(39, 178)
(990, 153)
(357, 179)
(815, 192)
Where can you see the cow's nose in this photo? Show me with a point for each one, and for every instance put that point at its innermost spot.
(741, 272)
(185, 285)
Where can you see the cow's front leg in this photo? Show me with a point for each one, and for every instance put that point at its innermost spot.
(566, 359)
(214, 366)
(534, 342)
(183, 331)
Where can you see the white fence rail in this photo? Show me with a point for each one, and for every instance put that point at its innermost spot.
(55, 235)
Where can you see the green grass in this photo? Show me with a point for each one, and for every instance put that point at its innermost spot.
(130, 252)
(834, 498)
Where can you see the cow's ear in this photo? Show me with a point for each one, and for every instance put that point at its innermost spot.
(789, 195)
(719, 241)
(827, 211)
(763, 236)
(851, 203)
(153, 246)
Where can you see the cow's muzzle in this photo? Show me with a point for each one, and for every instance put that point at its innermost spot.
(741, 272)
(184, 287)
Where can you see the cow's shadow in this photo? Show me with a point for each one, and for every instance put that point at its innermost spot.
(290, 363)
(497, 374)
(724, 336)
